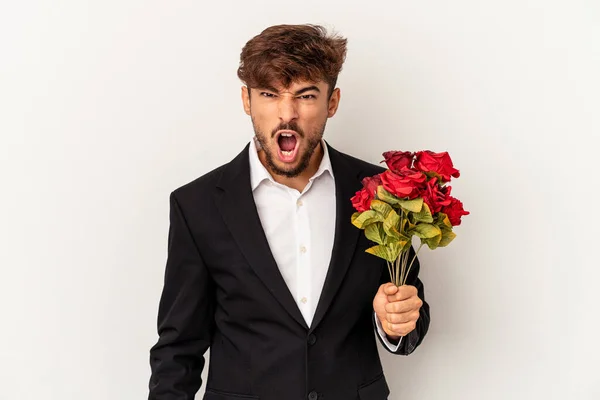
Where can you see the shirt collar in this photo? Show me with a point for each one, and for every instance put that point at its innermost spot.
(258, 172)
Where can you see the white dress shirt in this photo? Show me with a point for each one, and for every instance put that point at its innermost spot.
(300, 228)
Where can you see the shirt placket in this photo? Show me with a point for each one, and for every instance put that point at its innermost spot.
(303, 272)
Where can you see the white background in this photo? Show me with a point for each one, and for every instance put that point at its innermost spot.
(107, 106)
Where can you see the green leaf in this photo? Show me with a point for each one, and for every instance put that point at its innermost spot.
(432, 242)
(443, 221)
(414, 205)
(426, 231)
(380, 251)
(388, 252)
(381, 207)
(363, 219)
(375, 233)
(447, 237)
(391, 225)
(400, 246)
(424, 215)
(386, 196)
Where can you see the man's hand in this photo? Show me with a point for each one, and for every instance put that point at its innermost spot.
(397, 308)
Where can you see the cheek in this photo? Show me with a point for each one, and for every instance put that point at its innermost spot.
(266, 111)
(313, 124)
(263, 121)
(313, 111)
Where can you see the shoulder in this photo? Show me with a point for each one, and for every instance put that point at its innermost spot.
(366, 168)
(196, 194)
(202, 183)
(199, 190)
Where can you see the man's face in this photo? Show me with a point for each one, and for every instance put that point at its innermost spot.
(289, 122)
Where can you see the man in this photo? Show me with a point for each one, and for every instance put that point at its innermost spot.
(264, 266)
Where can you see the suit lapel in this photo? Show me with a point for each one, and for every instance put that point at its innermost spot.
(236, 204)
(347, 182)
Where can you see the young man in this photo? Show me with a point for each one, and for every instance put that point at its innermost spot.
(264, 266)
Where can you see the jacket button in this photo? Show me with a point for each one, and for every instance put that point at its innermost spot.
(312, 339)
(312, 395)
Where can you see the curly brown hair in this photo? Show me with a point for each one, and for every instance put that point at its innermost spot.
(282, 54)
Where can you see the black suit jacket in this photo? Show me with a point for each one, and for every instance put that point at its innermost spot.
(223, 290)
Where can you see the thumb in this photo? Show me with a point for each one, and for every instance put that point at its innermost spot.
(390, 289)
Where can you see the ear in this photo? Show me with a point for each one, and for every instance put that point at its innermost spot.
(334, 102)
(246, 99)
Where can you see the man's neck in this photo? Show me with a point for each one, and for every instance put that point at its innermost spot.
(298, 182)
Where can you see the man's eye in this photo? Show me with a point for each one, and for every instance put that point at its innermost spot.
(266, 94)
(308, 97)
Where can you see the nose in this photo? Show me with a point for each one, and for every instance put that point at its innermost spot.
(287, 108)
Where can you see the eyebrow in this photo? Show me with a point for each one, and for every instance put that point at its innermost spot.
(303, 90)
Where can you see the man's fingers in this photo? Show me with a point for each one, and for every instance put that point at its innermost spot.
(390, 289)
(401, 329)
(402, 318)
(404, 292)
(413, 303)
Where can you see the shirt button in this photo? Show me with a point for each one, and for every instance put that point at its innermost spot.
(299, 203)
(302, 249)
(312, 395)
(304, 300)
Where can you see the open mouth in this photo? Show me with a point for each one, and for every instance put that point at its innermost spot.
(287, 142)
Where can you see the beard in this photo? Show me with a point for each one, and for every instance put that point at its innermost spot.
(304, 158)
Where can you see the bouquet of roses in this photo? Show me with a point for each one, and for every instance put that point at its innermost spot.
(411, 198)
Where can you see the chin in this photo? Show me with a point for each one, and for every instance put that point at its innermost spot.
(288, 169)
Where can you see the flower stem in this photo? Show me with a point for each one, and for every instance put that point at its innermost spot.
(411, 264)
(399, 267)
(400, 264)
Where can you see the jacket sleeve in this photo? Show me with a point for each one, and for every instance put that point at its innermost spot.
(410, 342)
(185, 316)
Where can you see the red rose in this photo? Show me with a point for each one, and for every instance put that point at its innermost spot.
(362, 200)
(440, 163)
(396, 160)
(454, 211)
(371, 182)
(403, 183)
(435, 196)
